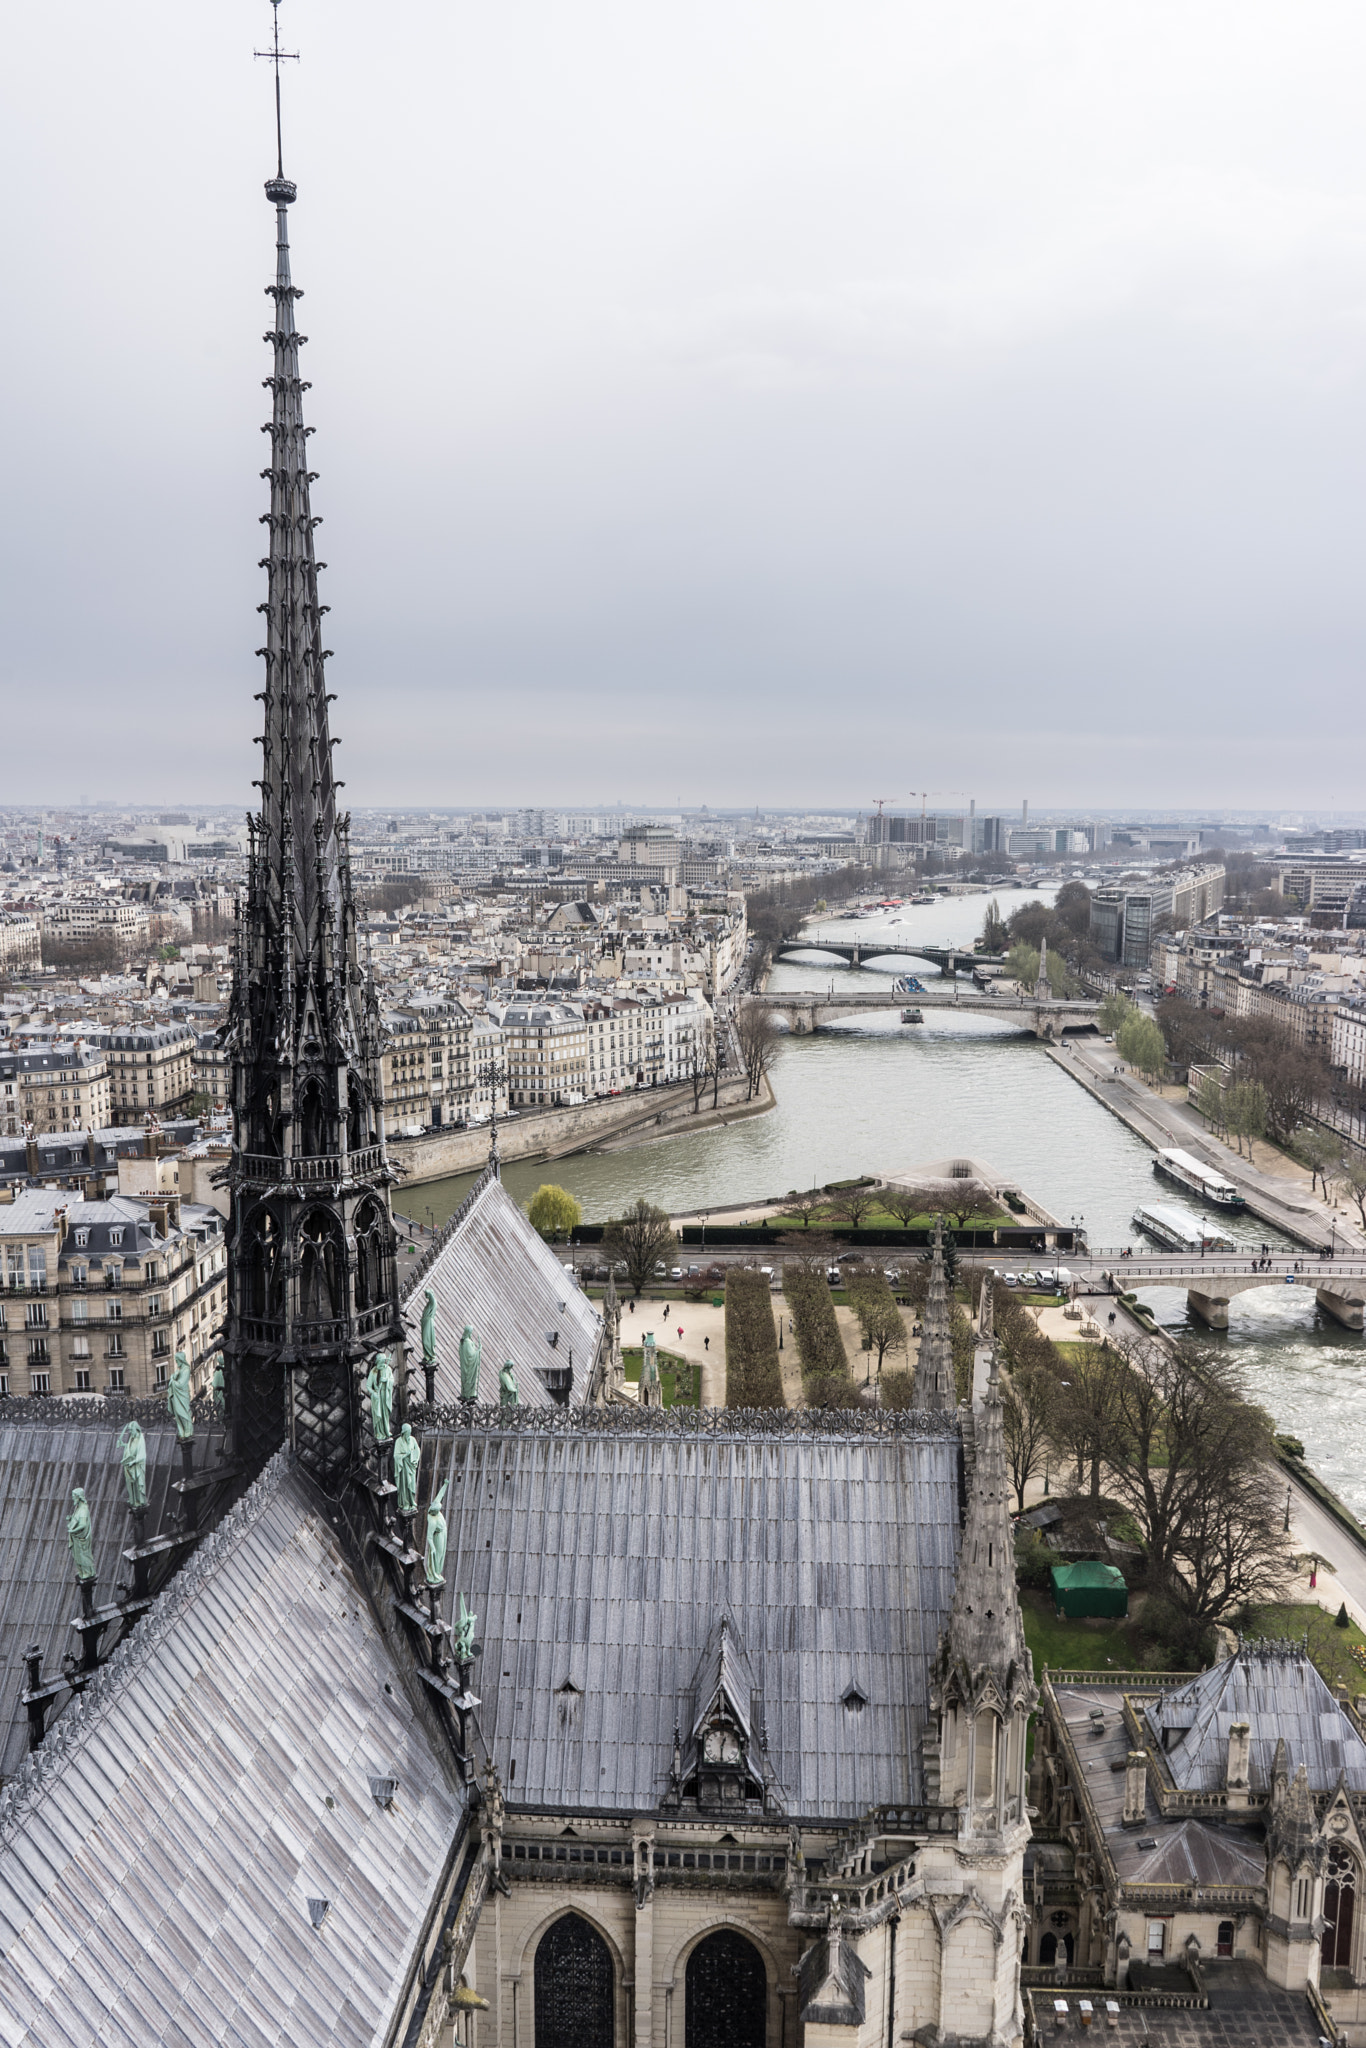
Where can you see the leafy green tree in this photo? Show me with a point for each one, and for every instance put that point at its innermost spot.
(1023, 962)
(1072, 907)
(1245, 1113)
(994, 929)
(640, 1238)
(1115, 1009)
(1139, 1040)
(1209, 1100)
(1320, 1152)
(554, 1212)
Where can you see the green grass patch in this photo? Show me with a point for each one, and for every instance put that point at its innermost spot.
(1067, 1645)
(877, 1219)
(1074, 1351)
(679, 1378)
(1330, 1647)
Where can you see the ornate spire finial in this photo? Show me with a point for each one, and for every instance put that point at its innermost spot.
(279, 190)
(934, 1382)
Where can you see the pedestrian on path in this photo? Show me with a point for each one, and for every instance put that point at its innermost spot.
(706, 1343)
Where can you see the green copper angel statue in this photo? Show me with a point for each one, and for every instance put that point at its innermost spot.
(379, 1384)
(436, 1537)
(507, 1385)
(464, 1634)
(178, 1397)
(407, 1458)
(471, 1351)
(429, 1328)
(133, 1444)
(80, 1535)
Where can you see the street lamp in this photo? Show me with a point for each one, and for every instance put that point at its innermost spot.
(1287, 1505)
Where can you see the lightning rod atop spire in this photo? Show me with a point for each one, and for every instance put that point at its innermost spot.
(276, 189)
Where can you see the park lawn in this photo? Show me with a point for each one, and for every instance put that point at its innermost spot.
(669, 1364)
(1076, 1351)
(878, 1219)
(1330, 1647)
(1066, 1645)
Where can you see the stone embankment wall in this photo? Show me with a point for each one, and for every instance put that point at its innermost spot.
(551, 1133)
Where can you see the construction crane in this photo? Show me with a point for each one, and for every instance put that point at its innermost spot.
(880, 801)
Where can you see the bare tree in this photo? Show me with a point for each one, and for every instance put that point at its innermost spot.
(879, 1318)
(641, 1237)
(964, 1198)
(1188, 1455)
(1028, 1399)
(804, 1202)
(757, 1036)
(1084, 1414)
(905, 1204)
(853, 1204)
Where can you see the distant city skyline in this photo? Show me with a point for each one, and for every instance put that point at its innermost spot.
(728, 402)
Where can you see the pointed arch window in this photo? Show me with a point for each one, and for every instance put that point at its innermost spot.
(374, 1256)
(725, 1993)
(265, 1271)
(322, 1268)
(1339, 1908)
(575, 1993)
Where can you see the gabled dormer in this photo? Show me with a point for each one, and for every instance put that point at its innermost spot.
(721, 1765)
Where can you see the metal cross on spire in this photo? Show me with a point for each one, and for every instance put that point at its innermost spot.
(278, 57)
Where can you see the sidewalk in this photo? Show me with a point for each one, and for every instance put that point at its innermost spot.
(1279, 1199)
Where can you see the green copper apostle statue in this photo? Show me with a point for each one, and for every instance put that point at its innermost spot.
(429, 1328)
(436, 1537)
(379, 1385)
(133, 1445)
(407, 1458)
(471, 1351)
(80, 1535)
(178, 1397)
(464, 1634)
(507, 1385)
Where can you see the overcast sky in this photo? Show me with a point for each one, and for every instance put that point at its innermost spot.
(746, 401)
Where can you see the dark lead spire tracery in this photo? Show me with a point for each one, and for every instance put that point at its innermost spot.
(311, 1284)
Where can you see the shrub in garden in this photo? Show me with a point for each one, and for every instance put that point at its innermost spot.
(753, 1375)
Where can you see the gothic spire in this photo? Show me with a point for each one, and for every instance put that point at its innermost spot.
(934, 1385)
(312, 1287)
(984, 1651)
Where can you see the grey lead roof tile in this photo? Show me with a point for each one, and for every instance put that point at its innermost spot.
(155, 1873)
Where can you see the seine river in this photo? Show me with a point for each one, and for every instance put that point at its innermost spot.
(873, 1095)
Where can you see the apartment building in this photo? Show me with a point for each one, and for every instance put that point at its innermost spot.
(545, 1050)
(21, 941)
(98, 1296)
(429, 1064)
(57, 1087)
(643, 1042)
(1348, 1049)
(151, 1066)
(96, 917)
(1127, 922)
(211, 1069)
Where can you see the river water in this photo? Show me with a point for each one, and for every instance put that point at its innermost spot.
(873, 1095)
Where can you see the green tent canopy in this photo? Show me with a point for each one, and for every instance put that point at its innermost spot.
(1082, 1589)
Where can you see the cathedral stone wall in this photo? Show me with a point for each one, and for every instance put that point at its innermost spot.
(649, 1945)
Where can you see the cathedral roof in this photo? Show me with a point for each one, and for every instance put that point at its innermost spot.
(197, 1855)
(492, 1270)
(45, 1450)
(1274, 1687)
(600, 1554)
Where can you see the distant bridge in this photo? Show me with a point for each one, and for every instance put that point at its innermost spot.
(860, 952)
(807, 1011)
(1339, 1284)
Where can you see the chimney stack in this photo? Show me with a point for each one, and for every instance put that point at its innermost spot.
(1237, 1778)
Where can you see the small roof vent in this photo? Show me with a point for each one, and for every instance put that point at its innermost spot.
(317, 1910)
(382, 1791)
(1147, 1841)
(853, 1700)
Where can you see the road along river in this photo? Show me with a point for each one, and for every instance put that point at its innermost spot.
(873, 1095)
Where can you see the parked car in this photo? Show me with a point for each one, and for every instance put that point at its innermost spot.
(675, 1272)
(833, 1275)
(1010, 1279)
(716, 1272)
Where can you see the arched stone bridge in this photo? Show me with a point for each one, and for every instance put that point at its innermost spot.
(807, 1011)
(1211, 1283)
(950, 960)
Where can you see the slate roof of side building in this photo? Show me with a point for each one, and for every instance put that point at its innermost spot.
(158, 1857)
(1277, 1689)
(490, 1269)
(600, 1560)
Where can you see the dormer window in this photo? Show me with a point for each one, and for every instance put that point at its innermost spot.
(116, 1234)
(82, 1239)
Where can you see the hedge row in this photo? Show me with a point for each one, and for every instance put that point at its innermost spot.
(754, 1377)
(826, 1379)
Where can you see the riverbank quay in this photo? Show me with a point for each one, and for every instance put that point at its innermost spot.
(586, 1127)
(1329, 1542)
(1274, 1199)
